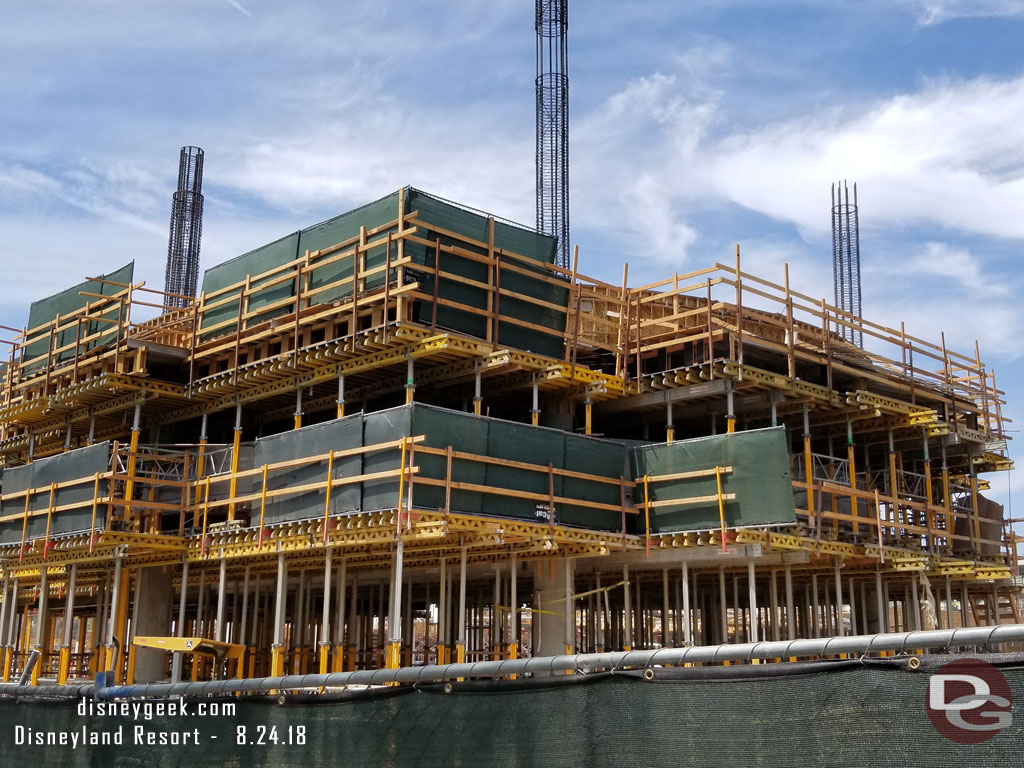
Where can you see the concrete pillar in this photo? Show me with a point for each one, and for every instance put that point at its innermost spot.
(551, 633)
(155, 599)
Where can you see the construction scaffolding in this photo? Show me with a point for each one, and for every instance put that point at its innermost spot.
(407, 435)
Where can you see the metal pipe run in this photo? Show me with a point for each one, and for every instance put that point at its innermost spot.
(587, 662)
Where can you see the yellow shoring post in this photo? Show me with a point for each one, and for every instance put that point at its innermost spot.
(410, 382)
(878, 521)
(24, 526)
(133, 451)
(929, 497)
(852, 472)
(95, 504)
(721, 503)
(49, 520)
(401, 487)
(341, 387)
(975, 518)
(236, 446)
(64, 658)
(263, 506)
(327, 491)
(200, 471)
(588, 407)
(206, 516)
(809, 477)
(647, 517)
(43, 645)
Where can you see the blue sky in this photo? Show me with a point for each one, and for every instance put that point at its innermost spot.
(693, 126)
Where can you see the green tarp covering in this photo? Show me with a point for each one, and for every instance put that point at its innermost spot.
(465, 433)
(759, 478)
(82, 463)
(271, 301)
(857, 716)
(66, 302)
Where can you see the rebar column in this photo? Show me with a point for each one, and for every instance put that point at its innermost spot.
(182, 272)
(552, 24)
(846, 260)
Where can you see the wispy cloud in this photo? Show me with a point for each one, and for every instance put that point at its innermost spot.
(239, 7)
(931, 12)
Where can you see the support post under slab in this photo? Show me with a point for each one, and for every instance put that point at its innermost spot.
(277, 649)
(535, 410)
(393, 657)
(236, 447)
(410, 382)
(685, 589)
(325, 617)
(180, 628)
(39, 641)
(442, 614)
(64, 662)
(11, 621)
(478, 399)
(513, 648)
(460, 645)
(341, 397)
(752, 597)
(221, 595)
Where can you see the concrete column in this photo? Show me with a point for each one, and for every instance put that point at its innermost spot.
(155, 599)
(553, 595)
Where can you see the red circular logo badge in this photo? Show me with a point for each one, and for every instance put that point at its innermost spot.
(969, 701)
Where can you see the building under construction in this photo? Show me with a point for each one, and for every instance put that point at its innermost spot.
(408, 436)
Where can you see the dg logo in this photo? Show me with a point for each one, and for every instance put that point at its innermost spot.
(969, 701)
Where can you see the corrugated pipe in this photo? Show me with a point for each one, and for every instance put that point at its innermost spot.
(899, 642)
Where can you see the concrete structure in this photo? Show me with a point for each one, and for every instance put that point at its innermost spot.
(189, 474)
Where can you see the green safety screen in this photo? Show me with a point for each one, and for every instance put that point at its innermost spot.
(272, 295)
(465, 433)
(80, 464)
(759, 479)
(67, 302)
(841, 714)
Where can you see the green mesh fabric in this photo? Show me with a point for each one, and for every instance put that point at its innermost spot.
(759, 479)
(66, 302)
(859, 717)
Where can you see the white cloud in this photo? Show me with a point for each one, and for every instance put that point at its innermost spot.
(931, 12)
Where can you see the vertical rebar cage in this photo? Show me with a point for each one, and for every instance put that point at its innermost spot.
(553, 124)
(846, 259)
(182, 274)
